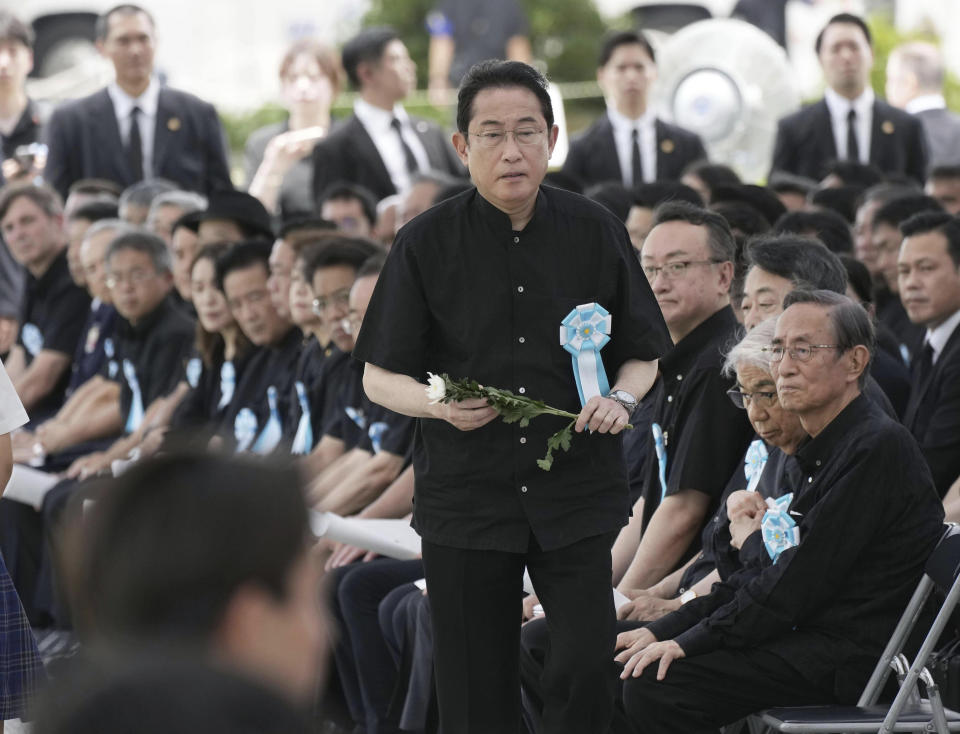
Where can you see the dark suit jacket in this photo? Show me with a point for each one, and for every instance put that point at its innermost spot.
(348, 154)
(933, 415)
(943, 136)
(805, 143)
(189, 146)
(593, 153)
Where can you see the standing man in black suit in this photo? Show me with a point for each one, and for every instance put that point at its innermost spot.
(929, 276)
(135, 128)
(630, 143)
(915, 77)
(380, 146)
(849, 123)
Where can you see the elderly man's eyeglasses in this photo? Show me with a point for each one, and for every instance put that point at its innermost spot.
(743, 400)
(339, 298)
(674, 269)
(799, 352)
(134, 277)
(523, 136)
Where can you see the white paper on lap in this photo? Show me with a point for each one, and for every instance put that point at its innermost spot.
(391, 538)
(29, 486)
(618, 599)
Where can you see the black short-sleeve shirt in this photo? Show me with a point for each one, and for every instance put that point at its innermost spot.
(463, 294)
(52, 317)
(704, 433)
(90, 356)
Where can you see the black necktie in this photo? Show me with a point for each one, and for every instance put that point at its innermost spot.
(636, 161)
(409, 158)
(924, 366)
(135, 146)
(853, 147)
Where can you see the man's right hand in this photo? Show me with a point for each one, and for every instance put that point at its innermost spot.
(467, 415)
(745, 504)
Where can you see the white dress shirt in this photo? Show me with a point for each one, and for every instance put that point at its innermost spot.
(839, 109)
(123, 105)
(925, 102)
(938, 337)
(377, 122)
(623, 128)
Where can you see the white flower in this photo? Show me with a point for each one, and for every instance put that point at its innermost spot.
(436, 388)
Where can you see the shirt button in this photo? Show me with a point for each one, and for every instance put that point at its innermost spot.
(516, 240)
(523, 488)
(522, 390)
(679, 377)
(520, 289)
(819, 462)
(523, 439)
(521, 340)
(809, 480)
(669, 398)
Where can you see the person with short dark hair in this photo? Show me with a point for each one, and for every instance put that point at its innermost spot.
(808, 627)
(77, 225)
(209, 555)
(629, 143)
(704, 176)
(851, 173)
(350, 206)
(761, 199)
(828, 227)
(53, 308)
(135, 128)
(380, 146)
(792, 190)
(138, 197)
(887, 237)
(646, 198)
(849, 123)
(842, 200)
(233, 216)
(445, 304)
(873, 199)
(943, 185)
(929, 274)
(612, 196)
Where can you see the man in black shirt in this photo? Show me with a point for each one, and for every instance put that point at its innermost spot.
(20, 124)
(54, 307)
(808, 627)
(478, 287)
(697, 435)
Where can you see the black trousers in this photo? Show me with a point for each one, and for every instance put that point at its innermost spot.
(475, 602)
(700, 694)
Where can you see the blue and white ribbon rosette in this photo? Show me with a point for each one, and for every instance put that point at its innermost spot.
(754, 462)
(778, 529)
(660, 445)
(583, 333)
(273, 430)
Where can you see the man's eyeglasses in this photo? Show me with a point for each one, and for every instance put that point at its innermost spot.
(763, 399)
(523, 136)
(134, 277)
(799, 352)
(675, 269)
(339, 298)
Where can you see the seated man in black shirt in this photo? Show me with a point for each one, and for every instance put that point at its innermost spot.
(807, 625)
(256, 414)
(386, 437)
(54, 307)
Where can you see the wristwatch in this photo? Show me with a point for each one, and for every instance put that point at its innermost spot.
(625, 399)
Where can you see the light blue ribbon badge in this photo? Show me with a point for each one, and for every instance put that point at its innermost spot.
(109, 352)
(778, 529)
(32, 339)
(357, 416)
(660, 444)
(273, 431)
(245, 429)
(228, 381)
(583, 333)
(754, 462)
(303, 440)
(135, 416)
(375, 432)
(193, 370)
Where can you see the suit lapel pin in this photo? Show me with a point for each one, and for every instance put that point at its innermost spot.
(422, 126)
(667, 145)
(173, 124)
(887, 127)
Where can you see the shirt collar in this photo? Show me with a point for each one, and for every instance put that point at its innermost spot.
(840, 106)
(500, 220)
(29, 118)
(720, 326)
(926, 102)
(147, 324)
(815, 451)
(51, 275)
(123, 103)
(622, 122)
(377, 118)
(938, 337)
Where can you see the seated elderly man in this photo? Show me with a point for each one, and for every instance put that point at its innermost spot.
(807, 626)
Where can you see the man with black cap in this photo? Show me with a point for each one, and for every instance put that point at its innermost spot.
(232, 216)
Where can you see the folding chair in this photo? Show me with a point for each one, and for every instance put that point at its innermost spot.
(908, 712)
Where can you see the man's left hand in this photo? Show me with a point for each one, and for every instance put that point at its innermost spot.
(666, 652)
(602, 415)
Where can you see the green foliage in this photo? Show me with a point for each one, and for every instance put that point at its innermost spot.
(885, 38)
(565, 34)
